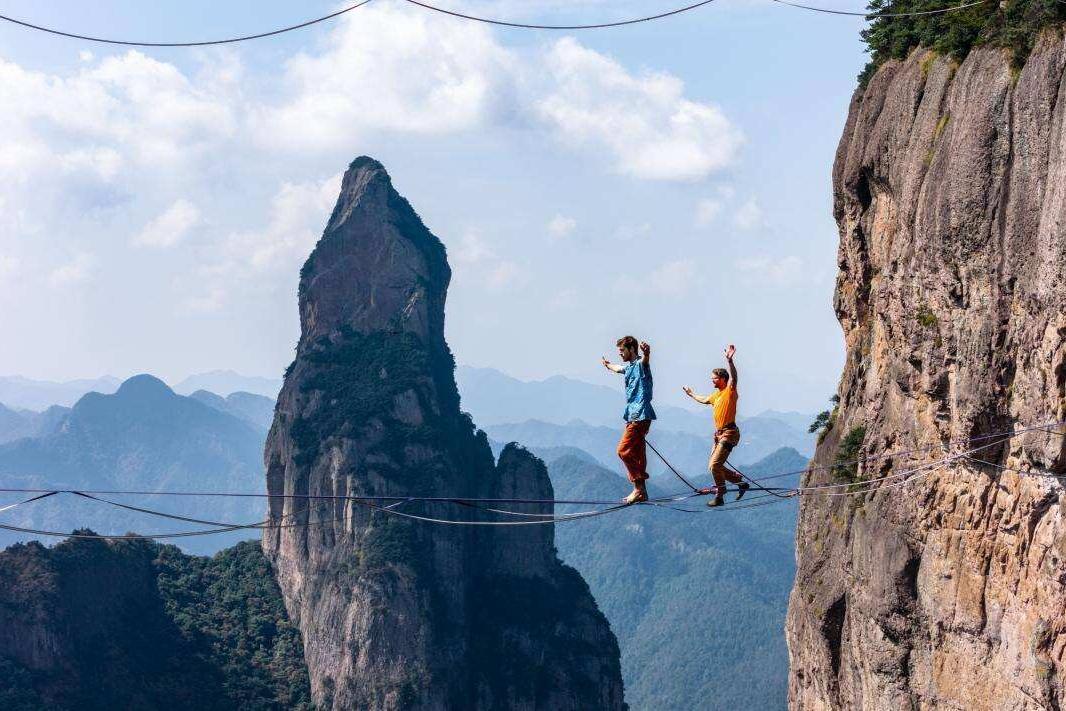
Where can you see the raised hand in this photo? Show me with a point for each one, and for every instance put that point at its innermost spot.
(730, 351)
(645, 348)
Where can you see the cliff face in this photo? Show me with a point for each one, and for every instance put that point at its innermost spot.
(88, 624)
(949, 592)
(398, 613)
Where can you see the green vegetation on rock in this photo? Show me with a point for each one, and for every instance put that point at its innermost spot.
(1013, 25)
(825, 419)
(845, 466)
(133, 624)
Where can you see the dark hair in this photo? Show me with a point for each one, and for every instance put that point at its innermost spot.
(627, 342)
(720, 373)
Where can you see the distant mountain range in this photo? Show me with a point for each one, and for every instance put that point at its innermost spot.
(561, 411)
(227, 382)
(19, 393)
(16, 424)
(254, 409)
(686, 452)
(142, 437)
(494, 398)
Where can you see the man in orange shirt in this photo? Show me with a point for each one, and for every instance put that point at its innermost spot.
(726, 434)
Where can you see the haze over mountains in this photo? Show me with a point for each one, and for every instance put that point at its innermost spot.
(142, 437)
(563, 412)
(21, 393)
(227, 382)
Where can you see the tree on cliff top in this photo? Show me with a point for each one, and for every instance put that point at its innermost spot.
(1014, 24)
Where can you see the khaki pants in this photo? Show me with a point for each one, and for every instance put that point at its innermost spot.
(724, 441)
(632, 450)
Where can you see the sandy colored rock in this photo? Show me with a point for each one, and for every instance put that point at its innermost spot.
(948, 592)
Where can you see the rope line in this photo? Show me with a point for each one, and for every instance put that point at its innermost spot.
(876, 15)
(676, 472)
(1007, 434)
(771, 496)
(29, 500)
(521, 25)
(464, 16)
(231, 40)
(1039, 473)
(755, 483)
(1000, 436)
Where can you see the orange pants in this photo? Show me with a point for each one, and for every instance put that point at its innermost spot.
(632, 450)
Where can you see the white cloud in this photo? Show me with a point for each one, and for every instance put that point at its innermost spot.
(74, 146)
(85, 55)
(561, 226)
(8, 265)
(706, 212)
(563, 299)
(388, 68)
(630, 232)
(644, 123)
(474, 258)
(749, 216)
(208, 302)
(169, 228)
(785, 271)
(671, 279)
(506, 276)
(298, 215)
(73, 272)
(362, 81)
(471, 249)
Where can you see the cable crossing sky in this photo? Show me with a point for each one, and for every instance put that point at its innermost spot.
(463, 16)
(393, 505)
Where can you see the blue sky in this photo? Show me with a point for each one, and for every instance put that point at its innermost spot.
(669, 180)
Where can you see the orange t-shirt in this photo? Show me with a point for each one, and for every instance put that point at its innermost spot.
(724, 403)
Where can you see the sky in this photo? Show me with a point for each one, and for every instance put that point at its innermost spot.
(669, 180)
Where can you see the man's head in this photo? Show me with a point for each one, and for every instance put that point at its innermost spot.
(627, 348)
(720, 378)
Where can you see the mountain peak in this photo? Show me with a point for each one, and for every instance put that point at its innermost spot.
(370, 407)
(144, 385)
(377, 266)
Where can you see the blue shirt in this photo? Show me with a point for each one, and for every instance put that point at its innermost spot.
(638, 392)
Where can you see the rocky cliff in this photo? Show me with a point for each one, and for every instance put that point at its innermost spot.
(89, 624)
(949, 592)
(398, 613)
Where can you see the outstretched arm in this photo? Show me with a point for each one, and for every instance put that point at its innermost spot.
(611, 366)
(702, 399)
(732, 367)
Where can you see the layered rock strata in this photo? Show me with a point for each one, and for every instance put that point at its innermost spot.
(398, 613)
(948, 592)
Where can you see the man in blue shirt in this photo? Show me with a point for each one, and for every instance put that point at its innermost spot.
(632, 449)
